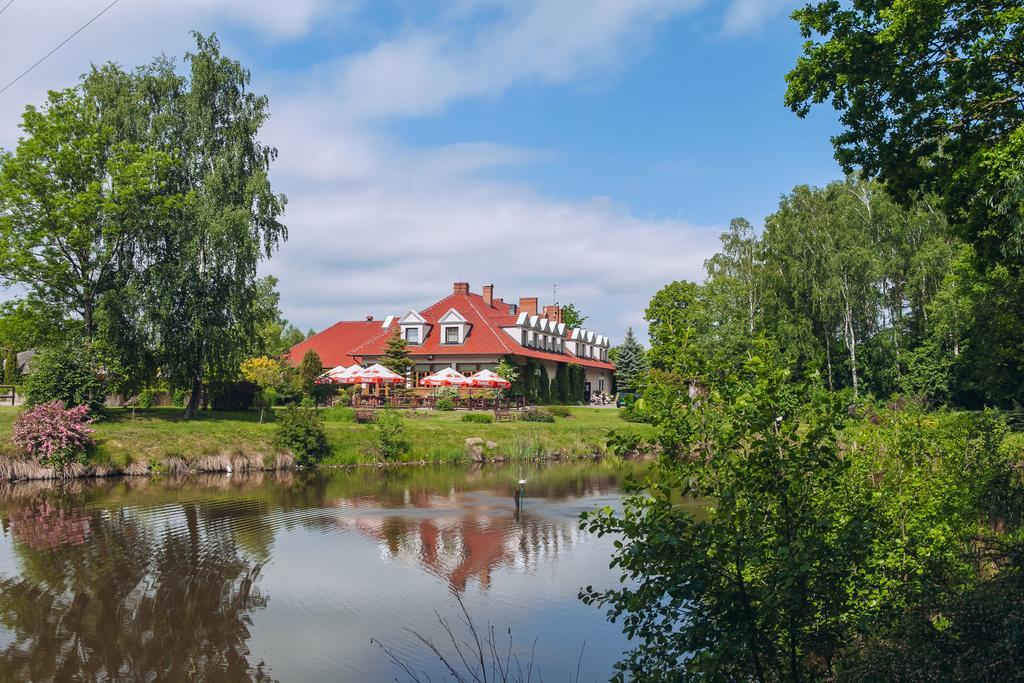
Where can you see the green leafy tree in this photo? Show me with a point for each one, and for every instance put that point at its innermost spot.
(310, 368)
(929, 97)
(508, 370)
(291, 335)
(268, 375)
(572, 316)
(681, 329)
(75, 197)
(630, 364)
(202, 283)
(28, 323)
(274, 335)
(67, 374)
(820, 236)
(757, 577)
(738, 271)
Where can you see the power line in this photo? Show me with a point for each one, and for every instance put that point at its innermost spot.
(64, 42)
(9, 3)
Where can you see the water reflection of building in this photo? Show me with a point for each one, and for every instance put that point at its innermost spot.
(467, 540)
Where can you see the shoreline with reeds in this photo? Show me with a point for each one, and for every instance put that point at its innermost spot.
(159, 441)
(14, 470)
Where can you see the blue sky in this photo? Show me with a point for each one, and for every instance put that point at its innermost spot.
(602, 145)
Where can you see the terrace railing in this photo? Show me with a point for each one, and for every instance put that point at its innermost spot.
(458, 402)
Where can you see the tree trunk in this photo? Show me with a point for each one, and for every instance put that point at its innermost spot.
(851, 345)
(828, 359)
(88, 320)
(192, 408)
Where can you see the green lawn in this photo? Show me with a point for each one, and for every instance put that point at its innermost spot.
(433, 436)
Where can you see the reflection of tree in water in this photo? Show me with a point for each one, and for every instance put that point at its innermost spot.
(162, 599)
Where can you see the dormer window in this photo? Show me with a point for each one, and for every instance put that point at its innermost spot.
(414, 327)
(454, 327)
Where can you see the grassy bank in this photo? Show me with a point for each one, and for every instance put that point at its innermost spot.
(159, 435)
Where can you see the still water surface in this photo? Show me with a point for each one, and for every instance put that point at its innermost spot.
(287, 576)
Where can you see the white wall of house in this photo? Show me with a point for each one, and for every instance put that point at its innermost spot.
(600, 379)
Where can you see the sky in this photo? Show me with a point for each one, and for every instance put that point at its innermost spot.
(596, 146)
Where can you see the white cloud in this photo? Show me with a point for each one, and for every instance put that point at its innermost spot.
(381, 248)
(745, 16)
(420, 71)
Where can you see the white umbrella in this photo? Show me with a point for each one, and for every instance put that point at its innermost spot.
(339, 375)
(448, 377)
(489, 378)
(377, 374)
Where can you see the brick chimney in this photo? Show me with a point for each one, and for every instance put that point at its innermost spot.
(488, 294)
(460, 288)
(528, 304)
(553, 313)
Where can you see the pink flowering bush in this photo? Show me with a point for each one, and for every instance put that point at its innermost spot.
(53, 434)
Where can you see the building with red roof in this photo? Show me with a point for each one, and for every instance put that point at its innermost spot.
(470, 332)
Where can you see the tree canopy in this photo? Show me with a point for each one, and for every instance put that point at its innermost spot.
(137, 206)
(930, 98)
(572, 316)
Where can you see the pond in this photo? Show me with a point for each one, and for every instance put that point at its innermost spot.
(289, 575)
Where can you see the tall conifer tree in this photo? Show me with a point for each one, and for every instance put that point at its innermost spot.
(630, 364)
(396, 355)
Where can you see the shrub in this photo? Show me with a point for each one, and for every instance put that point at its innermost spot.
(301, 431)
(633, 410)
(146, 398)
(536, 415)
(178, 398)
(479, 418)
(624, 443)
(65, 375)
(54, 434)
(560, 411)
(445, 403)
(391, 441)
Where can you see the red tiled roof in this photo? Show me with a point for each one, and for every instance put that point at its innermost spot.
(485, 338)
(334, 344)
